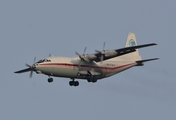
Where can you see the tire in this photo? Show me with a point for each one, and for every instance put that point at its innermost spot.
(71, 83)
(76, 83)
(50, 80)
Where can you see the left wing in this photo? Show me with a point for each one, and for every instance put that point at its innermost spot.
(108, 54)
(24, 70)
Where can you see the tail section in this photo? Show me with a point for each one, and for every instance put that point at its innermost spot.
(131, 41)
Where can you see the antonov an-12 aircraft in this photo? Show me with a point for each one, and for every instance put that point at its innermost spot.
(91, 67)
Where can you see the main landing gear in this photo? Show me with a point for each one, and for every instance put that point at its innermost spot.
(74, 83)
(91, 79)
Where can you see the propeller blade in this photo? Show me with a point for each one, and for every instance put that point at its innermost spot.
(97, 51)
(34, 59)
(101, 52)
(31, 73)
(104, 45)
(81, 56)
(27, 65)
(84, 50)
(101, 58)
(77, 53)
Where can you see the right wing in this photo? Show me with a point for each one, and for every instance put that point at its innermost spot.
(118, 52)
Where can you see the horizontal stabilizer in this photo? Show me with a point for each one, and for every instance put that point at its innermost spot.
(141, 62)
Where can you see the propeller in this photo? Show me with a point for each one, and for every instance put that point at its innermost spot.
(101, 52)
(80, 56)
(31, 68)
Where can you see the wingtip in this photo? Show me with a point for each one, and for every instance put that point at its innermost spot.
(16, 72)
(157, 58)
(154, 43)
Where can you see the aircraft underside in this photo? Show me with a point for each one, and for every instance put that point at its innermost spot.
(91, 75)
(73, 73)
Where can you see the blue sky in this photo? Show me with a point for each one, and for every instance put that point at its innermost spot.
(36, 28)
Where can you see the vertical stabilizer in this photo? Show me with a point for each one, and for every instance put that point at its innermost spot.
(131, 41)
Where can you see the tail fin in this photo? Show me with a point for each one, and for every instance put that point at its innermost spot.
(131, 41)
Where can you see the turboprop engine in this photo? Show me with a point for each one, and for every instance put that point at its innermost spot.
(88, 57)
(109, 53)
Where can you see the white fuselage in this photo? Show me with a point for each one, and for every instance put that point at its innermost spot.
(76, 68)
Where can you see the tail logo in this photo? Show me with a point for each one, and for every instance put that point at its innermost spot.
(132, 43)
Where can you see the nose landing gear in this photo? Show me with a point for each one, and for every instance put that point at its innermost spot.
(50, 80)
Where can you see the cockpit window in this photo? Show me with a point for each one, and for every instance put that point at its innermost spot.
(44, 60)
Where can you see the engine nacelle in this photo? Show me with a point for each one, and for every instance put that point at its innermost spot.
(109, 53)
(88, 57)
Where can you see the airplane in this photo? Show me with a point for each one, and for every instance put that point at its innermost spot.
(91, 67)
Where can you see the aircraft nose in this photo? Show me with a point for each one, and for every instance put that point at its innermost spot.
(34, 66)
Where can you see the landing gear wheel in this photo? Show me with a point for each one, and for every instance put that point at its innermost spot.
(71, 83)
(88, 80)
(94, 80)
(50, 80)
(74, 83)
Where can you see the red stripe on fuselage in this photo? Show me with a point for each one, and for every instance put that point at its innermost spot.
(86, 66)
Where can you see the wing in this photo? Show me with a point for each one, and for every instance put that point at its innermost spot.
(108, 54)
(24, 70)
(119, 52)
